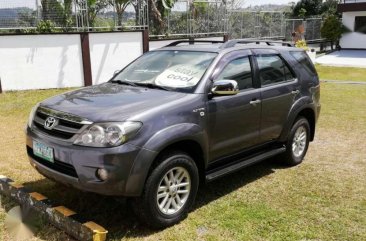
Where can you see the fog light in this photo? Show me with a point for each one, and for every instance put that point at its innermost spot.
(102, 174)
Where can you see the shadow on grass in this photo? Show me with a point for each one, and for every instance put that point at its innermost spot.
(115, 215)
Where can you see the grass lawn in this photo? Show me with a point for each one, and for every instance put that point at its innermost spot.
(341, 73)
(322, 199)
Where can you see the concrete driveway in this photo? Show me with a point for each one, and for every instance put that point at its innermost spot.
(344, 58)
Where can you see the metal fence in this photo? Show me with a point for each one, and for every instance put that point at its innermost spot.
(72, 15)
(192, 18)
(186, 18)
(18, 15)
(247, 24)
(273, 25)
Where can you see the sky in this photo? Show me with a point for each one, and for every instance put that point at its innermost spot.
(17, 3)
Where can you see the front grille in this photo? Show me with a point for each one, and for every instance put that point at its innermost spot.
(58, 166)
(65, 129)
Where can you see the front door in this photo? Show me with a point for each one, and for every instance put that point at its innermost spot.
(234, 121)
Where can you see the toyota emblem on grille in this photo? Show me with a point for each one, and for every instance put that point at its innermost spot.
(50, 123)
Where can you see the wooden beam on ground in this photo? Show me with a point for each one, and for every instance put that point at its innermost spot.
(59, 216)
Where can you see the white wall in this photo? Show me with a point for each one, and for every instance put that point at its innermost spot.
(40, 62)
(112, 51)
(352, 39)
(55, 61)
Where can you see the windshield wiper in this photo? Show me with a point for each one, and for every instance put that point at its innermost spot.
(124, 82)
(153, 86)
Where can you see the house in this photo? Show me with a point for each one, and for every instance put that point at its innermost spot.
(354, 18)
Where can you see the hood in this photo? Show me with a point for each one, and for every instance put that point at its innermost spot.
(110, 102)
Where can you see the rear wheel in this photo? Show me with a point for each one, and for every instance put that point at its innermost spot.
(297, 143)
(169, 192)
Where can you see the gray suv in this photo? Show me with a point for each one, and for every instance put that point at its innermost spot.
(175, 118)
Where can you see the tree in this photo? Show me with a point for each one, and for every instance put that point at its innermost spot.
(332, 29)
(168, 4)
(302, 12)
(52, 10)
(158, 12)
(311, 7)
(314, 7)
(94, 7)
(137, 5)
(120, 6)
(57, 14)
(329, 7)
(67, 20)
(27, 17)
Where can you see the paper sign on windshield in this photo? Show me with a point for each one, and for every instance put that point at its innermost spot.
(180, 76)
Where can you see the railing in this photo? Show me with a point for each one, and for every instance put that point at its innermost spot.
(206, 19)
(353, 1)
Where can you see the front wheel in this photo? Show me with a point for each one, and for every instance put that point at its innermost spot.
(169, 192)
(297, 143)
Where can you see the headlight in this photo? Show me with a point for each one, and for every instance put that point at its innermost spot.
(31, 115)
(108, 134)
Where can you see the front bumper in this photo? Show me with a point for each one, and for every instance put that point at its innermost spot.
(77, 165)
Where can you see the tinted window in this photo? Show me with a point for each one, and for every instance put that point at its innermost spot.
(304, 60)
(360, 24)
(272, 69)
(239, 70)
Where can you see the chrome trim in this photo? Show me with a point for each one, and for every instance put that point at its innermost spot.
(225, 87)
(71, 140)
(254, 102)
(64, 116)
(40, 121)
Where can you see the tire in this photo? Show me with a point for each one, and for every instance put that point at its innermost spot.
(297, 143)
(153, 211)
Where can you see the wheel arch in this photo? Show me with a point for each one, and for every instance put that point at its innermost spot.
(188, 146)
(309, 114)
(307, 111)
(188, 138)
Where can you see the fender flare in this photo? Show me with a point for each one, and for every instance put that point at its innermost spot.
(158, 142)
(300, 105)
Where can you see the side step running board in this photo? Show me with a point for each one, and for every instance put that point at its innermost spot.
(244, 163)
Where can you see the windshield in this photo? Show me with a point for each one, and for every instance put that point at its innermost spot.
(170, 70)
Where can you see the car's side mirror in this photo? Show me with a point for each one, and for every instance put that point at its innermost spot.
(225, 87)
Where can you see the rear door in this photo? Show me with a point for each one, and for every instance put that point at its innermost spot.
(279, 87)
(233, 122)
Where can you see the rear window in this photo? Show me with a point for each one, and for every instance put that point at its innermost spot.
(272, 70)
(304, 60)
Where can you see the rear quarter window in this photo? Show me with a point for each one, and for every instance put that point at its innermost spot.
(304, 60)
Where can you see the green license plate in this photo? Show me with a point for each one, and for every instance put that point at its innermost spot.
(43, 151)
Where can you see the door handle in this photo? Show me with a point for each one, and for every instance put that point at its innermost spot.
(254, 102)
(295, 92)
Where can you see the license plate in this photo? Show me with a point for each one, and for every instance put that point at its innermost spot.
(43, 151)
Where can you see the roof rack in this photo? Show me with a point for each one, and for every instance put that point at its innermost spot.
(175, 43)
(233, 42)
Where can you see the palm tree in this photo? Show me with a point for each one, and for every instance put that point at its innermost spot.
(157, 11)
(120, 6)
